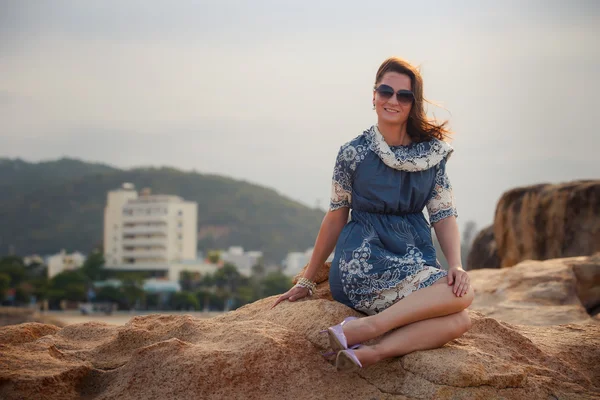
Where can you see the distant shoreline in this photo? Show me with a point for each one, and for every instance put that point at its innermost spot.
(119, 317)
(18, 315)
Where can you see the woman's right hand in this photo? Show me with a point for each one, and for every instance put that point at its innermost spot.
(295, 293)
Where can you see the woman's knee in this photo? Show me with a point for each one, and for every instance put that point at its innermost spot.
(462, 323)
(468, 297)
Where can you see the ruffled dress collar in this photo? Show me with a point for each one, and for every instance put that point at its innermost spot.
(411, 158)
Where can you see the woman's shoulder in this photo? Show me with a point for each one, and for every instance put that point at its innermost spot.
(359, 140)
(353, 152)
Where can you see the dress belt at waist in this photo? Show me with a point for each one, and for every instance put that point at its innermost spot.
(399, 213)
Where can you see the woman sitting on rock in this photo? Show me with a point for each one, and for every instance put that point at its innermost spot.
(385, 263)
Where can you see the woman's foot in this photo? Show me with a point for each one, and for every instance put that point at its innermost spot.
(355, 358)
(337, 339)
(347, 360)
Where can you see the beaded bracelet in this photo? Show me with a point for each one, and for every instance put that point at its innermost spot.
(307, 283)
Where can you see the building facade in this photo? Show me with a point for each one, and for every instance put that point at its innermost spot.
(295, 261)
(243, 260)
(64, 262)
(147, 232)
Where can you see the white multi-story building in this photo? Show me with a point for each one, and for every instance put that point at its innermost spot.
(295, 261)
(244, 261)
(64, 262)
(147, 232)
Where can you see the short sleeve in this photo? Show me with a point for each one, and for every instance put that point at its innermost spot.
(341, 185)
(441, 202)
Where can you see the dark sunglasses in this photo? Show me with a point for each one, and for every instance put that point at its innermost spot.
(403, 96)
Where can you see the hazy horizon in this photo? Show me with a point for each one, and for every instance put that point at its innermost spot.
(237, 89)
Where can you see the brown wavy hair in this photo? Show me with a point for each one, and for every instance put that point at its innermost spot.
(419, 127)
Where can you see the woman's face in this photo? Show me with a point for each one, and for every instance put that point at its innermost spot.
(390, 110)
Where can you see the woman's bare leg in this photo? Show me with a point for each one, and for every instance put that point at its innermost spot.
(428, 334)
(434, 301)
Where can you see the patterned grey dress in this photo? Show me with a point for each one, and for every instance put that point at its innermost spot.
(385, 252)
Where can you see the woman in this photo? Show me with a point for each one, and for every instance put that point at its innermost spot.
(385, 264)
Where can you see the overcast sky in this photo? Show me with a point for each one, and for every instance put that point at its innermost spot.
(268, 90)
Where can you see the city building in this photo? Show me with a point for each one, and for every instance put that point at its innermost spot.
(244, 261)
(295, 261)
(33, 259)
(64, 262)
(146, 232)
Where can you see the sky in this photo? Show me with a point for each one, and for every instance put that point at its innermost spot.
(268, 90)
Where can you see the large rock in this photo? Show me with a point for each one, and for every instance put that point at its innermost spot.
(548, 221)
(261, 353)
(484, 253)
(540, 292)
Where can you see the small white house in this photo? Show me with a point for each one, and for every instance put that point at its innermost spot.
(64, 262)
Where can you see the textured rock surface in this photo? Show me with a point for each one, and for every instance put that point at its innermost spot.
(587, 272)
(484, 253)
(548, 221)
(261, 353)
(539, 292)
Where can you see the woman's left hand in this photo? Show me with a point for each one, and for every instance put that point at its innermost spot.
(460, 279)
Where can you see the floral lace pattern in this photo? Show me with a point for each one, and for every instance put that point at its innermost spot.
(416, 157)
(372, 292)
(347, 160)
(441, 203)
(412, 283)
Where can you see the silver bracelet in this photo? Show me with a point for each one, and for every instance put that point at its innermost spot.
(308, 284)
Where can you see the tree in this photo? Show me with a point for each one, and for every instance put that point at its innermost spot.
(68, 285)
(227, 280)
(4, 285)
(110, 294)
(132, 287)
(214, 256)
(276, 283)
(13, 266)
(189, 280)
(184, 301)
(93, 267)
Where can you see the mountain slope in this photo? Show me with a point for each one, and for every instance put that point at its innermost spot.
(69, 213)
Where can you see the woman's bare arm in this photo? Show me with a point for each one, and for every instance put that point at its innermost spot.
(447, 234)
(331, 227)
(330, 230)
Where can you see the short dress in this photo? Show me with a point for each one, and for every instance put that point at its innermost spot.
(385, 251)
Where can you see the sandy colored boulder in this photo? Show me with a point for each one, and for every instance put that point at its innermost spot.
(484, 253)
(539, 292)
(546, 221)
(261, 353)
(587, 272)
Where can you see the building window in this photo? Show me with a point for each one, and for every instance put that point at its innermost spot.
(180, 212)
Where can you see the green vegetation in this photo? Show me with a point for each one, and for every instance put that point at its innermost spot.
(226, 289)
(60, 204)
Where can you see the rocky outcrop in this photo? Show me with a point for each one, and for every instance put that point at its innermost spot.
(547, 292)
(540, 222)
(484, 253)
(587, 272)
(261, 353)
(548, 221)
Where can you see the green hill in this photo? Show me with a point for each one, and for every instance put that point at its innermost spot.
(49, 206)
